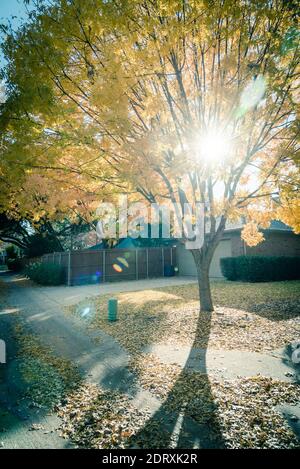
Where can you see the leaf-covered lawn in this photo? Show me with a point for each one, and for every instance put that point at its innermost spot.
(244, 411)
(97, 418)
(46, 378)
(247, 316)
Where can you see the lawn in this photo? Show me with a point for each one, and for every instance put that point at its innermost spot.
(247, 316)
(251, 317)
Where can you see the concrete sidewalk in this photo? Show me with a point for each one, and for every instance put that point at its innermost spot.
(229, 364)
(64, 295)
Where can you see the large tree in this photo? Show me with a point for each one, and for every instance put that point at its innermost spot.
(178, 101)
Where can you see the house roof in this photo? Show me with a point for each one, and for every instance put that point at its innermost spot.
(128, 243)
(133, 243)
(279, 225)
(275, 225)
(141, 242)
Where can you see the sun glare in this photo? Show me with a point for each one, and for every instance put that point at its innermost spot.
(213, 146)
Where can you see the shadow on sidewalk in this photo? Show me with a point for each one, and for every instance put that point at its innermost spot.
(173, 424)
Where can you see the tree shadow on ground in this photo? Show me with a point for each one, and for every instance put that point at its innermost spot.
(187, 418)
(287, 359)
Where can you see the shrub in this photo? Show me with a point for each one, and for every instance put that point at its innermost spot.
(228, 267)
(260, 268)
(46, 273)
(14, 264)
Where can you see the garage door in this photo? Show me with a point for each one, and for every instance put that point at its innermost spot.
(223, 250)
(185, 261)
(187, 266)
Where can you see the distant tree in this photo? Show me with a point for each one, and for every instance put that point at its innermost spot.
(41, 237)
(39, 244)
(13, 231)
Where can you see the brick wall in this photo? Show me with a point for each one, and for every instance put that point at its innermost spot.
(237, 244)
(276, 244)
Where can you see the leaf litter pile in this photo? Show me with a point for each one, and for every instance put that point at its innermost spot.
(46, 378)
(94, 418)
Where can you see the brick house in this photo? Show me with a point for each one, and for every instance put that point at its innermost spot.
(279, 241)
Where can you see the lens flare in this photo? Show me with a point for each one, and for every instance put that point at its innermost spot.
(123, 261)
(251, 95)
(85, 312)
(117, 268)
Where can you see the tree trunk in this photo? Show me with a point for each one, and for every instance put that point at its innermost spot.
(202, 265)
(203, 258)
(206, 303)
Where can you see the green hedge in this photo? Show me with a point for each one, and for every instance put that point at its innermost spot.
(46, 273)
(260, 268)
(228, 267)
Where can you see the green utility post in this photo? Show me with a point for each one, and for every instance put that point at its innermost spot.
(112, 309)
